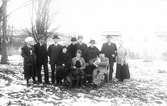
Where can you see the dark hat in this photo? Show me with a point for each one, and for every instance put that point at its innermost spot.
(109, 36)
(73, 39)
(56, 37)
(113, 35)
(92, 41)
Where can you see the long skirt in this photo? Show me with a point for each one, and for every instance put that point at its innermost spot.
(29, 71)
(122, 72)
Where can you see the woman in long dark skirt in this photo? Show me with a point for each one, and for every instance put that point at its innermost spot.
(122, 69)
(29, 60)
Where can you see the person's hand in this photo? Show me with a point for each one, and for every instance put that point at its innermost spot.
(63, 64)
(113, 55)
(30, 52)
(74, 67)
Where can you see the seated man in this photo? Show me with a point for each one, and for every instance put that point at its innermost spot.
(91, 54)
(63, 67)
(78, 65)
(101, 71)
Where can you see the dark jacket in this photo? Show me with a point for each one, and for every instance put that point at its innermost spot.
(72, 49)
(53, 52)
(110, 50)
(91, 53)
(41, 53)
(64, 58)
(83, 48)
(29, 61)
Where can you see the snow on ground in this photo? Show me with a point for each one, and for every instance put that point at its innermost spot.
(147, 87)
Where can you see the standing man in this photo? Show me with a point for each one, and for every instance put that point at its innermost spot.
(110, 50)
(81, 46)
(53, 52)
(42, 60)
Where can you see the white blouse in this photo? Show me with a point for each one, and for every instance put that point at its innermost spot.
(121, 55)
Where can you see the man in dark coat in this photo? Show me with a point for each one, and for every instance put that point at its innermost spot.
(110, 50)
(72, 48)
(92, 53)
(53, 52)
(42, 60)
(64, 65)
(27, 52)
(81, 46)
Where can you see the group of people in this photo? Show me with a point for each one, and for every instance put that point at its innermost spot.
(73, 65)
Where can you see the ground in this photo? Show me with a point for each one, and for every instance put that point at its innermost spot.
(147, 87)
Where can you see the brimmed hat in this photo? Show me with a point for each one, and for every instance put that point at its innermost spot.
(56, 37)
(112, 35)
(73, 39)
(92, 41)
(29, 39)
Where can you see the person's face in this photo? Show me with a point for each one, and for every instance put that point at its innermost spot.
(109, 39)
(80, 39)
(64, 50)
(78, 55)
(120, 43)
(42, 41)
(92, 44)
(102, 55)
(73, 42)
(55, 40)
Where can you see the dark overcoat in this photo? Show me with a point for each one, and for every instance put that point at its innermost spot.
(65, 58)
(41, 54)
(53, 52)
(72, 49)
(91, 53)
(29, 61)
(83, 48)
(110, 50)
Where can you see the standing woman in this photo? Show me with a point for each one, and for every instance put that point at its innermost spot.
(27, 52)
(122, 70)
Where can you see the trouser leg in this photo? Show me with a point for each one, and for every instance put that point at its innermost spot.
(39, 76)
(53, 73)
(46, 73)
(111, 71)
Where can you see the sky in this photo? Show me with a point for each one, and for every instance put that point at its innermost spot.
(138, 21)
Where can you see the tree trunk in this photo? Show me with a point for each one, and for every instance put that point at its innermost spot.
(4, 56)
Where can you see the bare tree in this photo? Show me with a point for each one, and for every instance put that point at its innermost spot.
(3, 23)
(40, 14)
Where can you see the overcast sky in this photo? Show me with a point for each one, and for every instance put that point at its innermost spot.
(137, 20)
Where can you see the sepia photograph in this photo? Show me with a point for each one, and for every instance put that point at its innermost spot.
(83, 52)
